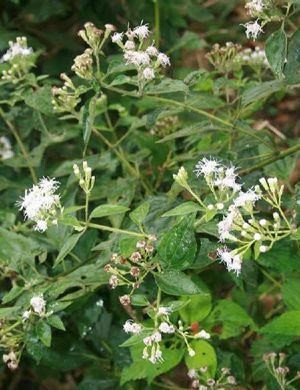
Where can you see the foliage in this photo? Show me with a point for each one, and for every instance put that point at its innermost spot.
(160, 241)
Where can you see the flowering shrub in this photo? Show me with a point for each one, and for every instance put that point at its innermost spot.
(150, 224)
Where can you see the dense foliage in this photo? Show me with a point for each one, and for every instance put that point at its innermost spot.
(150, 203)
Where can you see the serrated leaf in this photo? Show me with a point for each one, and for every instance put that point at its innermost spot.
(108, 209)
(176, 283)
(261, 91)
(287, 324)
(291, 293)
(276, 46)
(56, 322)
(43, 331)
(136, 338)
(139, 214)
(139, 300)
(67, 247)
(183, 209)
(292, 67)
(142, 368)
(205, 356)
(178, 247)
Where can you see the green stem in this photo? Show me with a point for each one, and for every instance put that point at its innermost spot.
(86, 207)
(21, 145)
(111, 229)
(268, 161)
(157, 22)
(210, 116)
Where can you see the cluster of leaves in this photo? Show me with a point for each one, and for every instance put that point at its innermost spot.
(133, 140)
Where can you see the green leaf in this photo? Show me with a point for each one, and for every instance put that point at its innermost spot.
(142, 368)
(67, 247)
(233, 318)
(139, 300)
(287, 324)
(183, 209)
(205, 356)
(139, 214)
(136, 338)
(292, 67)
(276, 46)
(291, 293)
(199, 305)
(56, 322)
(177, 283)
(108, 209)
(261, 91)
(167, 86)
(12, 294)
(40, 100)
(178, 247)
(43, 331)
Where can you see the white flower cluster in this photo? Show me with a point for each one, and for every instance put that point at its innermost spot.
(17, 49)
(152, 350)
(253, 29)
(147, 60)
(40, 204)
(5, 148)
(38, 306)
(249, 231)
(252, 57)
(218, 176)
(240, 224)
(255, 7)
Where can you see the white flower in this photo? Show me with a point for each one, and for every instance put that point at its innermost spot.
(117, 37)
(156, 355)
(141, 31)
(137, 58)
(191, 352)
(233, 262)
(253, 29)
(255, 6)
(26, 315)
(38, 304)
(228, 180)
(263, 222)
(148, 73)
(206, 167)
(18, 48)
(202, 335)
(156, 337)
(132, 327)
(263, 248)
(129, 45)
(152, 51)
(6, 151)
(164, 327)
(164, 311)
(163, 60)
(192, 373)
(226, 225)
(257, 236)
(41, 226)
(40, 203)
(246, 198)
(147, 341)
